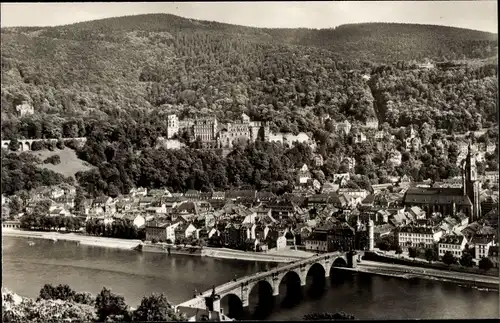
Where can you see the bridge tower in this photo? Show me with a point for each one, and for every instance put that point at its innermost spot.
(370, 235)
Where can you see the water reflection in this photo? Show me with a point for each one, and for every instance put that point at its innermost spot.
(133, 274)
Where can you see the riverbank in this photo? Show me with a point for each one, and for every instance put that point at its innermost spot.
(277, 256)
(79, 238)
(410, 272)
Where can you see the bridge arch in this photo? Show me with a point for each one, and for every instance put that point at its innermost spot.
(339, 262)
(295, 273)
(232, 305)
(26, 146)
(267, 282)
(260, 300)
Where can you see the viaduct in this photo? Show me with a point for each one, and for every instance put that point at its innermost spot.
(25, 144)
(242, 287)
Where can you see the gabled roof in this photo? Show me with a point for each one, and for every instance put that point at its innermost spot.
(452, 239)
(436, 196)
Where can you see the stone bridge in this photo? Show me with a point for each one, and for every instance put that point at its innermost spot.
(25, 144)
(242, 287)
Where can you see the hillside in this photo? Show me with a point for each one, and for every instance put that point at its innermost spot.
(115, 80)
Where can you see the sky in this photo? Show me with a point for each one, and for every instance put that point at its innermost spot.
(479, 14)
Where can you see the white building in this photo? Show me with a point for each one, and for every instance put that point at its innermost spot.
(452, 243)
(411, 236)
(172, 126)
(317, 242)
(482, 246)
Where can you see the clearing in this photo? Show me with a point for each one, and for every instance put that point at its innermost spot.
(70, 163)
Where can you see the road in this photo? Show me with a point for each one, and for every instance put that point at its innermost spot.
(373, 266)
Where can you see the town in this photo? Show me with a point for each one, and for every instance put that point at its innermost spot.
(454, 220)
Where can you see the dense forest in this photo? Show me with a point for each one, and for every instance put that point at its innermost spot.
(115, 80)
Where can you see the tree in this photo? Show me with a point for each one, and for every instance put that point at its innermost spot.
(108, 304)
(62, 292)
(383, 245)
(466, 259)
(412, 252)
(399, 250)
(84, 298)
(448, 258)
(485, 264)
(430, 254)
(156, 308)
(14, 145)
(37, 145)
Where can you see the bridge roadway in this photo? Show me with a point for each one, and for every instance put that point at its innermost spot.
(243, 286)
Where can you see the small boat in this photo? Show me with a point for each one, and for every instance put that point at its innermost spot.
(31, 243)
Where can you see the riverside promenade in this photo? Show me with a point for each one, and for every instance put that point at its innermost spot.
(403, 271)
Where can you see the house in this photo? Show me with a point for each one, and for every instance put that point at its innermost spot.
(281, 210)
(139, 191)
(239, 194)
(303, 175)
(412, 143)
(184, 230)
(11, 224)
(491, 176)
(371, 123)
(264, 196)
(341, 178)
(56, 192)
(192, 195)
(351, 162)
(251, 217)
(25, 109)
(382, 230)
(159, 193)
(330, 188)
(146, 201)
(343, 127)
(318, 160)
(368, 200)
(138, 220)
(276, 239)
(261, 231)
(482, 244)
(218, 195)
(382, 216)
(317, 242)
(395, 157)
(452, 243)
(161, 231)
(493, 255)
(427, 236)
(232, 235)
(417, 213)
(102, 201)
(53, 212)
(353, 192)
(359, 138)
(248, 230)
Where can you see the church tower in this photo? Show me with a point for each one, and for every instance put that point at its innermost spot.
(472, 186)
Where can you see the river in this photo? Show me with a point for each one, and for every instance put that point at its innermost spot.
(133, 274)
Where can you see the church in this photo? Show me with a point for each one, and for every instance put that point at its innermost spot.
(449, 201)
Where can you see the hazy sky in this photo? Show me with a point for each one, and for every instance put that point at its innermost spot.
(480, 15)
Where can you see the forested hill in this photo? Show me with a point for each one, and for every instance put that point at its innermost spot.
(376, 42)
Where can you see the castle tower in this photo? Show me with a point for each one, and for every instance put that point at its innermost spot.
(172, 126)
(370, 235)
(472, 185)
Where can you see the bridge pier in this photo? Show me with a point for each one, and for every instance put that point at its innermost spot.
(327, 265)
(303, 275)
(276, 285)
